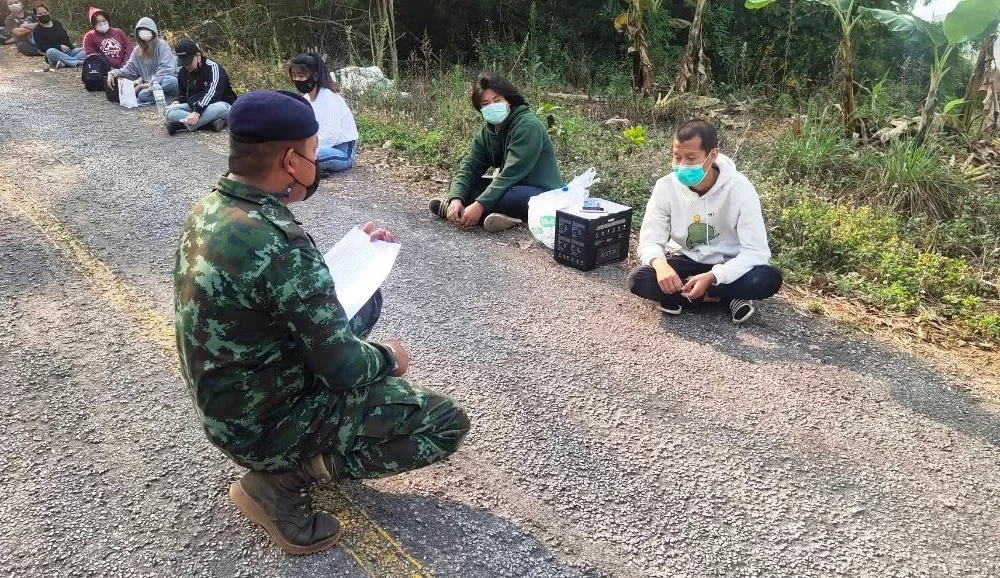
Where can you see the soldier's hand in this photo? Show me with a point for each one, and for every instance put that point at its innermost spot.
(402, 358)
(379, 234)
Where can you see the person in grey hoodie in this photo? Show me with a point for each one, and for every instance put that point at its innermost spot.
(151, 60)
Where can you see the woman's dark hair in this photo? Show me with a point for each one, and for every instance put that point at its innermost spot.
(500, 85)
(312, 64)
(34, 9)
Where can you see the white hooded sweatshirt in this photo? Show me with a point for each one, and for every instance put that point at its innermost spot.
(724, 227)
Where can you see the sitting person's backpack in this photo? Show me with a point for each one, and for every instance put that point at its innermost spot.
(94, 72)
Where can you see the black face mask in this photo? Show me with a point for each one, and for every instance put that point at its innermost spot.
(310, 189)
(305, 86)
(45, 19)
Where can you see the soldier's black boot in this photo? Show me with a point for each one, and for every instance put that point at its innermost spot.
(279, 503)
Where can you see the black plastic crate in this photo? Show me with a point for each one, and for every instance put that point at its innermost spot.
(586, 240)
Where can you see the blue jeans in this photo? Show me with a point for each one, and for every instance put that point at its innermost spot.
(336, 159)
(179, 111)
(169, 86)
(759, 283)
(71, 59)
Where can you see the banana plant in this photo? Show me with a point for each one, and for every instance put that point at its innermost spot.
(968, 21)
(695, 67)
(633, 22)
(847, 15)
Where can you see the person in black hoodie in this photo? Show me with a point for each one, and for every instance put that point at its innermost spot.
(52, 40)
(205, 94)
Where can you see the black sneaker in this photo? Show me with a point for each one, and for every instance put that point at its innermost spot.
(743, 311)
(438, 208)
(173, 127)
(670, 309)
(218, 124)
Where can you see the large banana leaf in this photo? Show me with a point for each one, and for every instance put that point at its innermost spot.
(969, 19)
(842, 6)
(916, 29)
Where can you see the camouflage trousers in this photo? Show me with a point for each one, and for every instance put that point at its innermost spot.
(398, 426)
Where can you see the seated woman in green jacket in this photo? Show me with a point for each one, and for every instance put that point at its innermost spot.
(514, 141)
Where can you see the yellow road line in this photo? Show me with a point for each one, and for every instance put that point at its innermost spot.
(371, 546)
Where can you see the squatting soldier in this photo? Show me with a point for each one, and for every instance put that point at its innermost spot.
(284, 384)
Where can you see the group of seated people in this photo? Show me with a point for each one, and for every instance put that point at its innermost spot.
(702, 239)
(196, 87)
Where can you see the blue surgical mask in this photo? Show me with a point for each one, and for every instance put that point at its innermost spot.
(496, 113)
(690, 175)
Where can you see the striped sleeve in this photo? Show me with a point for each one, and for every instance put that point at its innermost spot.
(212, 88)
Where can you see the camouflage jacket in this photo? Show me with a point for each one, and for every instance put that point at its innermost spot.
(264, 345)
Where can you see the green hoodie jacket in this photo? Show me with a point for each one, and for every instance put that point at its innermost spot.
(520, 148)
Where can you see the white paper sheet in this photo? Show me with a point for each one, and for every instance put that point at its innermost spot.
(359, 267)
(126, 93)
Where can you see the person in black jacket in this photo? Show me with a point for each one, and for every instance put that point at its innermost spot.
(204, 95)
(52, 40)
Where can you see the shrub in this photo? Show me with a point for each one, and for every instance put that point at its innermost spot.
(913, 180)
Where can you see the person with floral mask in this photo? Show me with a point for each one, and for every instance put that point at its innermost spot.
(703, 238)
(338, 132)
(52, 40)
(151, 60)
(113, 43)
(514, 142)
(286, 385)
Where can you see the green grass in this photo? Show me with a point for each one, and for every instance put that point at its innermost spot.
(843, 219)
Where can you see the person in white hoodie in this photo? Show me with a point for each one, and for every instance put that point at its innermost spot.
(152, 60)
(703, 238)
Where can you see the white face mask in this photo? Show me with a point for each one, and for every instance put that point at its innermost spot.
(145, 35)
(16, 7)
(103, 27)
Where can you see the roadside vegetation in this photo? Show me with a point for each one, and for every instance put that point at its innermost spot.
(870, 133)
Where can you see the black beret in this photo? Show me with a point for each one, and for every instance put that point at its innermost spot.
(271, 115)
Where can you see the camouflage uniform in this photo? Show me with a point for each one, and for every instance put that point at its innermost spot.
(276, 371)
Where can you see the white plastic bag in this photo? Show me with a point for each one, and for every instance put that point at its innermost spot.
(542, 208)
(126, 93)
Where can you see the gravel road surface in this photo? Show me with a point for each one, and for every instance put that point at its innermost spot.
(607, 440)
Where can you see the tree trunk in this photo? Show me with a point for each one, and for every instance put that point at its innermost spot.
(976, 83)
(847, 77)
(693, 76)
(642, 66)
(930, 105)
(991, 93)
(393, 54)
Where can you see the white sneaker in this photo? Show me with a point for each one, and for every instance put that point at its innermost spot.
(670, 309)
(742, 310)
(496, 222)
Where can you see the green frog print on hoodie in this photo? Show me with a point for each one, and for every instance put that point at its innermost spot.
(699, 233)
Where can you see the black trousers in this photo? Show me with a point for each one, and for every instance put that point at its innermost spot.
(28, 49)
(759, 283)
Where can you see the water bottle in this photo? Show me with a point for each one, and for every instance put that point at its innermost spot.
(161, 101)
